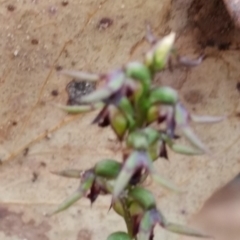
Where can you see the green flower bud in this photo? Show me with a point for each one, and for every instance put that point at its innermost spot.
(140, 72)
(118, 208)
(126, 107)
(137, 140)
(118, 122)
(154, 151)
(138, 93)
(164, 95)
(149, 58)
(157, 58)
(152, 114)
(144, 197)
(152, 135)
(135, 209)
(107, 169)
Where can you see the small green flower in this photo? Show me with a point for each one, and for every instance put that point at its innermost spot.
(149, 220)
(138, 162)
(153, 216)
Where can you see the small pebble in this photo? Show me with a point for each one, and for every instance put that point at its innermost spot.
(52, 10)
(64, 3)
(48, 136)
(58, 68)
(14, 123)
(43, 164)
(15, 53)
(34, 41)
(54, 93)
(10, 8)
(105, 23)
(238, 86)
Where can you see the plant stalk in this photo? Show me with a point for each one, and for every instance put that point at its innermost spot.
(127, 217)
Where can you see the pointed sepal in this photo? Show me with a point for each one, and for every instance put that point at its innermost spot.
(115, 81)
(207, 119)
(184, 230)
(165, 183)
(149, 220)
(84, 76)
(138, 162)
(131, 165)
(69, 173)
(182, 118)
(86, 184)
(76, 109)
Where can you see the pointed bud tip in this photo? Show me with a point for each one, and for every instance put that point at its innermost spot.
(168, 40)
(171, 36)
(113, 200)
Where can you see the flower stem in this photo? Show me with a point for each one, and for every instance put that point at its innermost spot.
(127, 217)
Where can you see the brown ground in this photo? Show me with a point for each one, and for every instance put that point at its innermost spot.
(37, 39)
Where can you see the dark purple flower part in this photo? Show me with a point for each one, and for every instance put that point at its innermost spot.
(96, 190)
(163, 151)
(102, 119)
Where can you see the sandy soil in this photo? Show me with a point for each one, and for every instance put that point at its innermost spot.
(39, 37)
